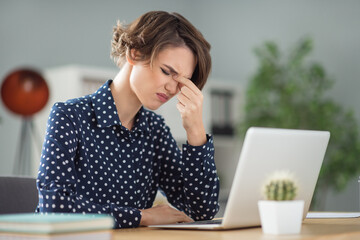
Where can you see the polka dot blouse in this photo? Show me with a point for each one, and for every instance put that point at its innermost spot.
(90, 163)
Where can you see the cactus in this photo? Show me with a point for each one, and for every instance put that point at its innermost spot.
(281, 186)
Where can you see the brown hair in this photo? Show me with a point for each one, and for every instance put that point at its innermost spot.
(153, 32)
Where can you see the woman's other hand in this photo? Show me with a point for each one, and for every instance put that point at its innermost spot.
(162, 214)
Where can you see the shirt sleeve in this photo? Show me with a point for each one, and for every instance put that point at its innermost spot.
(189, 177)
(57, 177)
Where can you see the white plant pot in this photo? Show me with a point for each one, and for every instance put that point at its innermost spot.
(281, 217)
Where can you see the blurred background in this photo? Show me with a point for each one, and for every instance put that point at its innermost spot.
(68, 42)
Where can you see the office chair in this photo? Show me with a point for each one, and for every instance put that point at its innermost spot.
(18, 194)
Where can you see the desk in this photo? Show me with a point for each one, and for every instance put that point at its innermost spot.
(318, 229)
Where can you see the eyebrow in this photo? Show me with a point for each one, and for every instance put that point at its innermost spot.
(173, 70)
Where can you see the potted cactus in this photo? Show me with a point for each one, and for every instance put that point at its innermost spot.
(280, 213)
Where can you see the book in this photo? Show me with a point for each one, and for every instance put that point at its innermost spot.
(88, 235)
(54, 223)
(333, 215)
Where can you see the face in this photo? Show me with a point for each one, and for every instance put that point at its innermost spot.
(155, 86)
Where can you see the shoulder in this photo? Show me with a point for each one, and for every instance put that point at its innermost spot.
(72, 107)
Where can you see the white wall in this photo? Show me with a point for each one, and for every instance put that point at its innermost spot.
(46, 34)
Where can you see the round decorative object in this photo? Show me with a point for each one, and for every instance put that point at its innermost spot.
(24, 92)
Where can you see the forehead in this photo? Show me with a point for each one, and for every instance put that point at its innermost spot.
(181, 59)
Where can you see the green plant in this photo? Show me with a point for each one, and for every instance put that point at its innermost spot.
(290, 92)
(280, 186)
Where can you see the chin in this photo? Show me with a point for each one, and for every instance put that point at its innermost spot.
(152, 107)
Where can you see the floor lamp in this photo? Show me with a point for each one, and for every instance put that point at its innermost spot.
(25, 92)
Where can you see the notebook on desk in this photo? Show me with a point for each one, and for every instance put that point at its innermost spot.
(264, 151)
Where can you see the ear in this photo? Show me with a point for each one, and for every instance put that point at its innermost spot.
(129, 59)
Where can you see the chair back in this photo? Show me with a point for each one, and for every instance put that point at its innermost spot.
(18, 194)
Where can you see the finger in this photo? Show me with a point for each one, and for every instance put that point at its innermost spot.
(189, 93)
(189, 99)
(187, 82)
(180, 107)
(182, 217)
(183, 99)
(176, 215)
(185, 218)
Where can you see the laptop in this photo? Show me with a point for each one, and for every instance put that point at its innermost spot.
(264, 151)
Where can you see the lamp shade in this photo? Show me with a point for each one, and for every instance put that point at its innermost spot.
(24, 92)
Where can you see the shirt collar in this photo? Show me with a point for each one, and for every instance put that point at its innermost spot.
(106, 112)
(141, 122)
(104, 106)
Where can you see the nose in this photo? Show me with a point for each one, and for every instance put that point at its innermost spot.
(171, 86)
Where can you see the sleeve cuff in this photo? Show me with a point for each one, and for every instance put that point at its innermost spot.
(198, 157)
(207, 147)
(126, 217)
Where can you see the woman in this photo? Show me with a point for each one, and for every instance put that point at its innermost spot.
(109, 153)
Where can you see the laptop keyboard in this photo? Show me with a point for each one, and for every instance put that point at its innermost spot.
(216, 221)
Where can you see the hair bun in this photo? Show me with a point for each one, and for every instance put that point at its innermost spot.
(119, 43)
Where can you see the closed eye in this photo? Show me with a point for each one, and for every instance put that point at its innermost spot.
(165, 72)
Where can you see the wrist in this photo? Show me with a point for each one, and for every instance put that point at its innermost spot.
(144, 220)
(196, 137)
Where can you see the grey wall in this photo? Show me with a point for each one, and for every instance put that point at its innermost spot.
(46, 34)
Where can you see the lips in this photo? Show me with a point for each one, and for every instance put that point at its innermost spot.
(162, 97)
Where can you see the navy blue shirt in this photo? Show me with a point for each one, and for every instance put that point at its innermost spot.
(90, 163)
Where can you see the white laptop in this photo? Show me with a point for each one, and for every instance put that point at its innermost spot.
(264, 151)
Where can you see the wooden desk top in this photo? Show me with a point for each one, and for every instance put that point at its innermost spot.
(318, 229)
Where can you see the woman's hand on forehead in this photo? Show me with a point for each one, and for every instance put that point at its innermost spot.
(190, 107)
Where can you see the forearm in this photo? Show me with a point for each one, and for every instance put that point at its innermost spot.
(201, 186)
(195, 186)
(67, 201)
